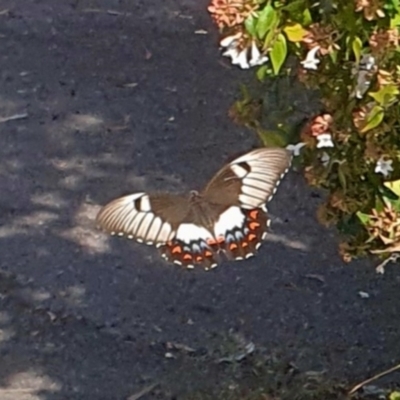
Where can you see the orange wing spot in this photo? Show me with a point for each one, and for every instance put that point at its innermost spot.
(254, 225)
(252, 236)
(219, 240)
(244, 244)
(176, 249)
(208, 253)
(232, 246)
(254, 214)
(199, 258)
(187, 257)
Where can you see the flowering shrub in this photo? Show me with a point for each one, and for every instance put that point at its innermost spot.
(349, 51)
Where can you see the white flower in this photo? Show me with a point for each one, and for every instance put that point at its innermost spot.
(325, 159)
(241, 56)
(230, 40)
(311, 61)
(363, 82)
(384, 167)
(324, 140)
(238, 57)
(295, 148)
(367, 62)
(256, 58)
(232, 52)
(231, 44)
(241, 60)
(364, 73)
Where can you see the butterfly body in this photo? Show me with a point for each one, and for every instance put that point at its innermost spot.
(227, 217)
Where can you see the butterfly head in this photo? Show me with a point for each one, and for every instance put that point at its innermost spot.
(195, 195)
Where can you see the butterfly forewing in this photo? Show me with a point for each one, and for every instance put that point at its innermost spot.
(250, 180)
(145, 218)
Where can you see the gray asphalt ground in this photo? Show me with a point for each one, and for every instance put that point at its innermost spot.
(123, 96)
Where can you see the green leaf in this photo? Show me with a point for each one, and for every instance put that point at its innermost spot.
(245, 93)
(307, 19)
(333, 56)
(394, 186)
(375, 117)
(357, 46)
(250, 24)
(386, 95)
(262, 73)
(387, 194)
(267, 20)
(278, 53)
(294, 7)
(393, 4)
(294, 32)
(272, 138)
(395, 22)
(298, 12)
(268, 39)
(394, 396)
(342, 176)
(396, 207)
(364, 218)
(379, 204)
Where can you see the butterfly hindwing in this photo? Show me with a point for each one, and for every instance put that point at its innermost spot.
(189, 255)
(243, 243)
(191, 244)
(238, 234)
(240, 231)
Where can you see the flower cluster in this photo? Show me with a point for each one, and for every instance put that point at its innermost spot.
(240, 53)
(350, 52)
(319, 128)
(229, 13)
(385, 225)
(372, 9)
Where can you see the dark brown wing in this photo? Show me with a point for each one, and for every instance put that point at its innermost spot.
(164, 220)
(251, 180)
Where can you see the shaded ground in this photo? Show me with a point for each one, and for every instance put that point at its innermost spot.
(133, 99)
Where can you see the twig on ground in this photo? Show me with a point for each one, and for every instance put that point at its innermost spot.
(18, 390)
(109, 12)
(380, 269)
(374, 378)
(14, 117)
(143, 392)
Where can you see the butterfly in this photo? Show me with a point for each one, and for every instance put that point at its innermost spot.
(229, 216)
